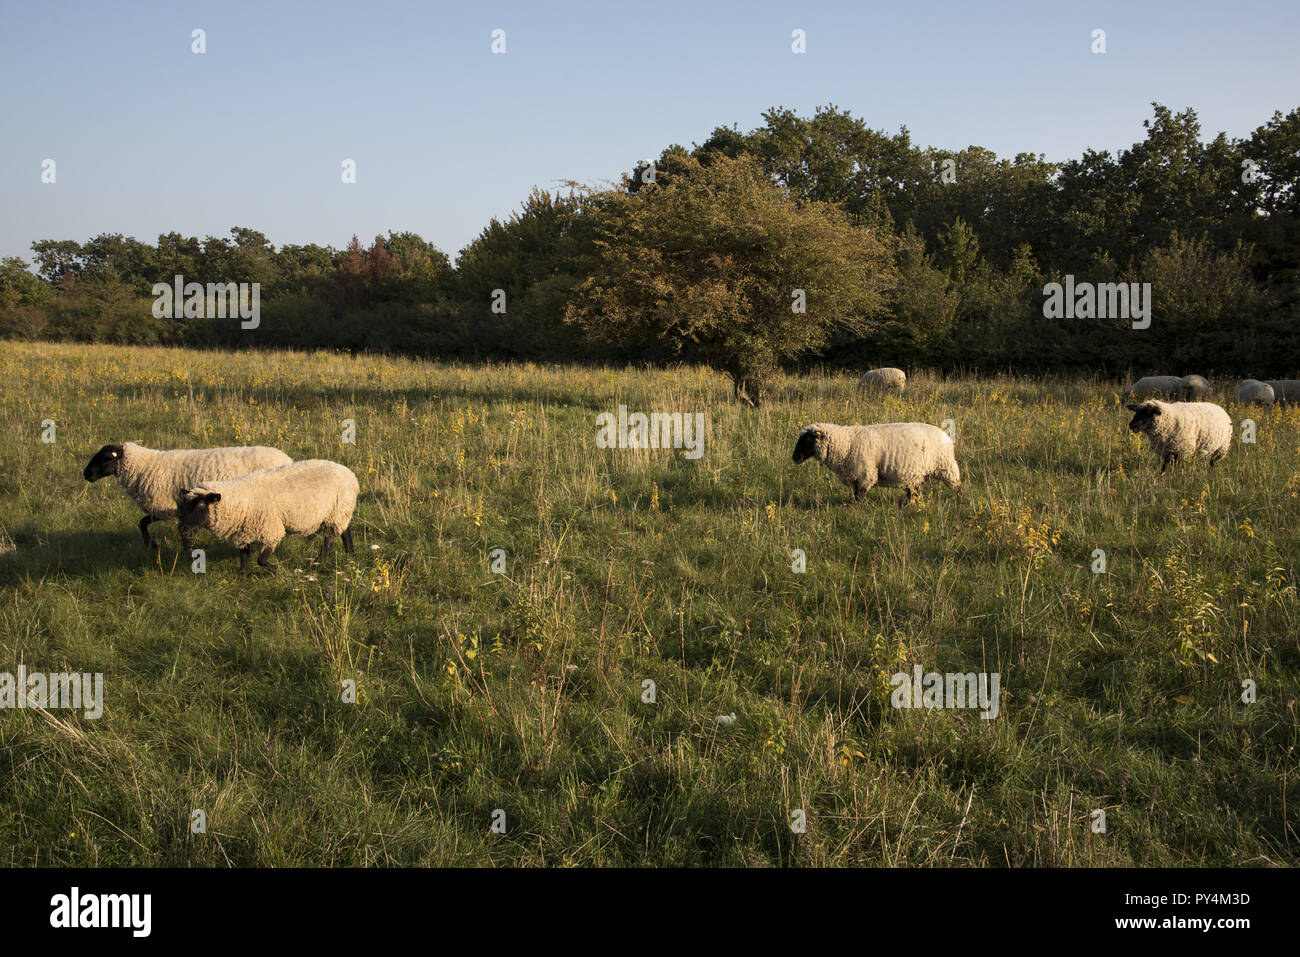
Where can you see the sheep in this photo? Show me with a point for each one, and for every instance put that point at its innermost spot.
(1252, 391)
(263, 507)
(1195, 387)
(884, 380)
(1157, 385)
(1179, 430)
(1285, 391)
(151, 478)
(892, 455)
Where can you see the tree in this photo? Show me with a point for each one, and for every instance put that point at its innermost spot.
(57, 258)
(923, 307)
(725, 266)
(536, 257)
(1275, 148)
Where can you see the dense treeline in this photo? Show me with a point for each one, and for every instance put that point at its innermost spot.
(805, 238)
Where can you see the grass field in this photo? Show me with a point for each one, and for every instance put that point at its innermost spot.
(523, 691)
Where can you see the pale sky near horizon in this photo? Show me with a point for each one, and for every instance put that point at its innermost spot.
(149, 137)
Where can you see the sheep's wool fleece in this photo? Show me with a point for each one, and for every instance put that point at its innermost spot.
(893, 455)
(1252, 390)
(894, 380)
(1190, 428)
(152, 479)
(1154, 385)
(297, 499)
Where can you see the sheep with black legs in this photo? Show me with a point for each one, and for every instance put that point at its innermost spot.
(1182, 430)
(152, 478)
(892, 455)
(263, 507)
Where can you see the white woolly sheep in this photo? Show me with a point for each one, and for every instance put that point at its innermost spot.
(893, 455)
(1195, 387)
(1181, 430)
(265, 506)
(1153, 386)
(152, 478)
(1254, 392)
(1285, 391)
(884, 380)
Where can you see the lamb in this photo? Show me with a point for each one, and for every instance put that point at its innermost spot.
(1285, 391)
(893, 455)
(1157, 385)
(1195, 387)
(263, 507)
(884, 380)
(151, 478)
(1179, 430)
(1252, 391)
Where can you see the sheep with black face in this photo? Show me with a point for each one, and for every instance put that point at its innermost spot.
(892, 455)
(263, 507)
(1183, 430)
(152, 478)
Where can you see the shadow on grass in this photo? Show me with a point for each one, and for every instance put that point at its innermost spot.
(39, 553)
(343, 395)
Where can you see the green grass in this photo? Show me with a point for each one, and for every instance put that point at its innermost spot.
(522, 691)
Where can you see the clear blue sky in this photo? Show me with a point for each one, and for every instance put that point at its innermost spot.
(149, 137)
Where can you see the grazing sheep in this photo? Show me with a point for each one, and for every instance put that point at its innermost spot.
(151, 478)
(263, 507)
(893, 455)
(1180, 430)
(884, 380)
(1157, 385)
(1252, 391)
(1196, 387)
(1285, 391)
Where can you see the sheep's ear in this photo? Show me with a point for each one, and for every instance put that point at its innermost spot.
(212, 497)
(1155, 410)
(183, 494)
(1132, 408)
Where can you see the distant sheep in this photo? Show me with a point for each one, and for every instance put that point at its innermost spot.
(884, 380)
(1285, 391)
(1181, 430)
(893, 455)
(1184, 388)
(152, 479)
(1195, 387)
(1254, 392)
(265, 506)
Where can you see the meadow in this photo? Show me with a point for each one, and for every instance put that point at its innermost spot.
(523, 691)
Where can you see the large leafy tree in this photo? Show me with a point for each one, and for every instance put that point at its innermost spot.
(535, 257)
(715, 261)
